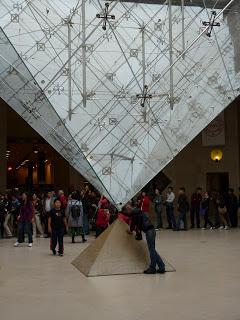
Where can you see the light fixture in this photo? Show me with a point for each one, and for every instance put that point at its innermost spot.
(35, 149)
(216, 155)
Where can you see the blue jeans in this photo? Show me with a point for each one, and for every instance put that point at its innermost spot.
(25, 226)
(170, 217)
(155, 258)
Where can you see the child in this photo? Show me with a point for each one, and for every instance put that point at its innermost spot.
(102, 221)
(56, 223)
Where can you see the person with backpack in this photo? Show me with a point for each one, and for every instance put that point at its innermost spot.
(56, 224)
(74, 214)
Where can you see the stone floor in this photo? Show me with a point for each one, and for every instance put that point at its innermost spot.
(36, 285)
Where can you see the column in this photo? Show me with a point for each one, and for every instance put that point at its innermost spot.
(41, 167)
(30, 175)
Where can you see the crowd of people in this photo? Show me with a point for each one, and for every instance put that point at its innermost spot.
(54, 214)
(202, 207)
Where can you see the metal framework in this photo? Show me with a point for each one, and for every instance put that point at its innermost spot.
(87, 89)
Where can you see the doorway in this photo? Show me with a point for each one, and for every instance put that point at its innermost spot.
(218, 181)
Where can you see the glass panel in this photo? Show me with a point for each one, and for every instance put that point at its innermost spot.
(126, 99)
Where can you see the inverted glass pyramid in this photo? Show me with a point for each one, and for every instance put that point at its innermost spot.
(119, 89)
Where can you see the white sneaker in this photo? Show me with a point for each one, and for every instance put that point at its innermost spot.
(221, 228)
(157, 229)
(204, 228)
(226, 228)
(16, 244)
(30, 245)
(212, 228)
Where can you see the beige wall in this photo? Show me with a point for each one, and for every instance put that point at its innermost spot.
(189, 168)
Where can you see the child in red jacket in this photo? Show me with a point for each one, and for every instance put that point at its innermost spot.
(145, 204)
(102, 221)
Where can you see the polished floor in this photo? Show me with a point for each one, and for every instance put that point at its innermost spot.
(36, 285)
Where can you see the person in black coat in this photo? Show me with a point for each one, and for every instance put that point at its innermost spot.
(205, 211)
(232, 208)
(183, 208)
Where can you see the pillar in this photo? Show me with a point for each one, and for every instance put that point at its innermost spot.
(41, 167)
(61, 173)
(29, 181)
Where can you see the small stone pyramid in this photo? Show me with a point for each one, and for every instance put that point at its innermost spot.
(114, 252)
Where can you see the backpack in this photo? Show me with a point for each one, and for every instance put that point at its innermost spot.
(75, 211)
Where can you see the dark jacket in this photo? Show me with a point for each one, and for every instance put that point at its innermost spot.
(205, 205)
(26, 212)
(232, 203)
(183, 205)
(140, 221)
(3, 210)
(158, 201)
(57, 219)
(196, 200)
(222, 201)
